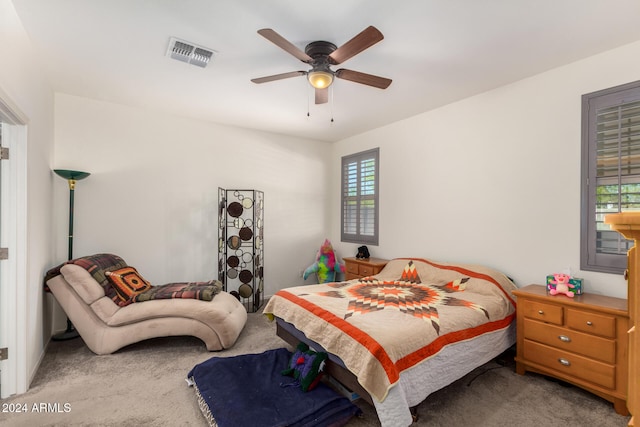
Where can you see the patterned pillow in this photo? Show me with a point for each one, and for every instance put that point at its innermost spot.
(410, 274)
(127, 282)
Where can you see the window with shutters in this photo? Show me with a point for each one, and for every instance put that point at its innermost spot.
(610, 173)
(360, 197)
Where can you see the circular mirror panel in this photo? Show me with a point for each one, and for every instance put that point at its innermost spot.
(235, 209)
(246, 233)
(246, 276)
(247, 203)
(234, 242)
(245, 290)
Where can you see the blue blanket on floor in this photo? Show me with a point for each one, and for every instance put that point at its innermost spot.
(249, 390)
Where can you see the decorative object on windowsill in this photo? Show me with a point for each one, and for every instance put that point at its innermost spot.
(240, 245)
(326, 266)
(363, 253)
(564, 284)
(71, 176)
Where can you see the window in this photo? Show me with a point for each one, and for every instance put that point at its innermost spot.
(610, 173)
(360, 197)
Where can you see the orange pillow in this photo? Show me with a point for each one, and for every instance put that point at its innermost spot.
(127, 282)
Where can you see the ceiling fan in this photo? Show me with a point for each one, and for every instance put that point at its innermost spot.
(321, 55)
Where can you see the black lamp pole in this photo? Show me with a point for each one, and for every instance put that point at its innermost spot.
(71, 177)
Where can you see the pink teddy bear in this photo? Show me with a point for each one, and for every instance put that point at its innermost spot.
(562, 285)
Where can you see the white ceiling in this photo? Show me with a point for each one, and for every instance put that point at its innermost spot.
(435, 51)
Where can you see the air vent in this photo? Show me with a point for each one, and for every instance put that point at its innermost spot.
(189, 52)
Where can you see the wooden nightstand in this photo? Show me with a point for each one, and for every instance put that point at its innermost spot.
(580, 340)
(356, 268)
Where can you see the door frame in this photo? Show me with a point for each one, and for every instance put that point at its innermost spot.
(13, 274)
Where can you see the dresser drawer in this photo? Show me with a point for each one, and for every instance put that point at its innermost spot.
(366, 270)
(352, 268)
(356, 268)
(567, 340)
(593, 323)
(544, 312)
(571, 364)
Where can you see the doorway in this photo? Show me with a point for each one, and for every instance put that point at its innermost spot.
(13, 213)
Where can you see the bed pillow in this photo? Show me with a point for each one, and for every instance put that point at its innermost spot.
(127, 282)
(410, 273)
(306, 366)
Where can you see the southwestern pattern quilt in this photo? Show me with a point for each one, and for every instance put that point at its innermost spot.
(384, 324)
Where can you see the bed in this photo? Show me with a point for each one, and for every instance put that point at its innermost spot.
(402, 334)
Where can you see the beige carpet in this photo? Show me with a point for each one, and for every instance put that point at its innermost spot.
(144, 385)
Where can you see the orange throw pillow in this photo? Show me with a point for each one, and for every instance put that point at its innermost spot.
(127, 282)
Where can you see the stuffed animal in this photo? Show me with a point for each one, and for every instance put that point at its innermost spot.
(363, 252)
(561, 285)
(325, 266)
(306, 367)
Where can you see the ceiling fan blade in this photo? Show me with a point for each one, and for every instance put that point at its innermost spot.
(322, 95)
(279, 76)
(363, 78)
(365, 39)
(283, 43)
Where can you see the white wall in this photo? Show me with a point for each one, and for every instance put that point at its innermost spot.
(152, 196)
(492, 179)
(22, 81)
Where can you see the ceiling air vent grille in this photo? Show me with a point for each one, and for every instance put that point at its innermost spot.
(189, 52)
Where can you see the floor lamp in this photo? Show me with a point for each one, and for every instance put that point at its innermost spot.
(71, 177)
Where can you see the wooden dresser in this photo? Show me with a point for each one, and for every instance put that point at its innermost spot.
(628, 224)
(581, 340)
(356, 268)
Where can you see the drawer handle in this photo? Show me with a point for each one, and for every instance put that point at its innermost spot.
(540, 312)
(564, 361)
(564, 338)
(589, 323)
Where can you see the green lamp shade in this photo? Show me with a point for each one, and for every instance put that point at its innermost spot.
(69, 174)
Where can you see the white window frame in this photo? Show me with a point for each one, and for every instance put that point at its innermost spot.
(355, 194)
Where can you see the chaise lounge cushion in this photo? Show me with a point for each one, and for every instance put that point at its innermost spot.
(106, 326)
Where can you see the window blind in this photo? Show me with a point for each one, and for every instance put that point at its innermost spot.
(611, 173)
(360, 197)
(617, 171)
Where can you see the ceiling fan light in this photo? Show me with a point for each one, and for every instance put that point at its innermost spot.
(320, 79)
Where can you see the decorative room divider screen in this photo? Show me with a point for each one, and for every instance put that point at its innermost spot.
(240, 245)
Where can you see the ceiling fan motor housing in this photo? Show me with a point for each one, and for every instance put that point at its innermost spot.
(320, 51)
(319, 48)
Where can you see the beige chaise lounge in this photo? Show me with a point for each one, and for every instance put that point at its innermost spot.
(106, 323)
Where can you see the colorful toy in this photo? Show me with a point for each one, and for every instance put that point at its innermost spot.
(306, 367)
(561, 285)
(326, 265)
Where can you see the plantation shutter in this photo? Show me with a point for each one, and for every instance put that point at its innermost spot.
(360, 197)
(614, 178)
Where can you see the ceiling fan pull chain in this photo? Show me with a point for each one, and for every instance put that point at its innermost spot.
(331, 102)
